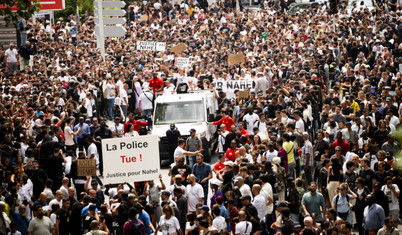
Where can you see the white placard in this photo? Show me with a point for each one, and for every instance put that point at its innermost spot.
(130, 159)
(234, 85)
(151, 46)
(182, 62)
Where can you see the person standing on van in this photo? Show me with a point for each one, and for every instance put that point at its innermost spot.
(193, 144)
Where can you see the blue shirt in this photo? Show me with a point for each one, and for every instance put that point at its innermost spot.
(85, 210)
(343, 205)
(22, 224)
(144, 217)
(225, 214)
(374, 217)
(84, 130)
(202, 172)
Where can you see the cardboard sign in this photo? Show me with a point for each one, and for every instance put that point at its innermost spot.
(130, 159)
(144, 18)
(244, 94)
(86, 167)
(178, 48)
(151, 46)
(236, 59)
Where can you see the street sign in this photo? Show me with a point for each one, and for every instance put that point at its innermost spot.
(111, 12)
(112, 31)
(112, 20)
(110, 4)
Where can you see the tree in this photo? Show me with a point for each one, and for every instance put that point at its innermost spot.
(13, 10)
(83, 6)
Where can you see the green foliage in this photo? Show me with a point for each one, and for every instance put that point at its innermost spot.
(26, 9)
(83, 6)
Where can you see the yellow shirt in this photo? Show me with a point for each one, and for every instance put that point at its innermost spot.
(355, 106)
(289, 147)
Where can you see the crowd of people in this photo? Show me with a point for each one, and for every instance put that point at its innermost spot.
(313, 149)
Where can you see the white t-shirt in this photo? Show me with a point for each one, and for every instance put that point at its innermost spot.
(300, 125)
(54, 201)
(245, 190)
(260, 204)
(219, 223)
(123, 94)
(89, 104)
(169, 226)
(194, 193)
(146, 100)
(179, 151)
(93, 150)
(11, 55)
(393, 200)
(244, 228)
(222, 141)
(110, 91)
(251, 121)
(128, 134)
(117, 129)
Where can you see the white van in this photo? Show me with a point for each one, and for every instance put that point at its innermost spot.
(186, 111)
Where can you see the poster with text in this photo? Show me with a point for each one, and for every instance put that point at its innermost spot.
(130, 159)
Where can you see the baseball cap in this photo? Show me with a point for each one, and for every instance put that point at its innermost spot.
(229, 163)
(204, 207)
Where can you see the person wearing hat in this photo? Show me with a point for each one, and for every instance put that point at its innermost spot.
(227, 176)
(215, 188)
(177, 183)
(117, 128)
(193, 144)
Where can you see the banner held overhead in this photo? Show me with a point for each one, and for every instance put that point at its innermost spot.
(130, 159)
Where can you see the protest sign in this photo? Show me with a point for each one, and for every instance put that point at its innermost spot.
(130, 159)
(150, 46)
(244, 94)
(144, 18)
(181, 62)
(230, 86)
(236, 59)
(86, 167)
(178, 48)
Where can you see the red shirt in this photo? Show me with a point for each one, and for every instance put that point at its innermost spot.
(344, 145)
(243, 132)
(219, 166)
(136, 124)
(228, 121)
(230, 154)
(156, 84)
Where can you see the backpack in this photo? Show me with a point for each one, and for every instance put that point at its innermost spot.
(136, 227)
(337, 199)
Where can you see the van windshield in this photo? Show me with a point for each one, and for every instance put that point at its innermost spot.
(179, 112)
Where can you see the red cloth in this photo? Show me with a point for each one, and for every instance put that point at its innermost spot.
(136, 124)
(219, 166)
(233, 213)
(243, 132)
(344, 145)
(230, 154)
(228, 121)
(156, 84)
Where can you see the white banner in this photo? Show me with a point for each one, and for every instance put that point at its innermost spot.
(234, 85)
(130, 159)
(151, 46)
(230, 86)
(181, 62)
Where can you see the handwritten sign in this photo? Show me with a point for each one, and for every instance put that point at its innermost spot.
(86, 167)
(151, 46)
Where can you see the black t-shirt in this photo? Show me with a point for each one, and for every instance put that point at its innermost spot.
(227, 177)
(184, 171)
(75, 218)
(287, 227)
(64, 226)
(87, 218)
(108, 219)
